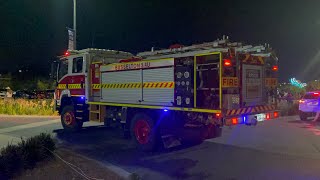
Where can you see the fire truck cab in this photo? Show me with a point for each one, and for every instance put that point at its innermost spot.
(183, 92)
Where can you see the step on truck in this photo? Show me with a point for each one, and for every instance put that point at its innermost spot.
(185, 93)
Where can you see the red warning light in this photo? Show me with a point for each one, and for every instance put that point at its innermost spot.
(234, 120)
(275, 68)
(267, 116)
(67, 53)
(227, 63)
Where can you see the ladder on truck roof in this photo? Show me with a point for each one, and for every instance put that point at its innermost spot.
(223, 45)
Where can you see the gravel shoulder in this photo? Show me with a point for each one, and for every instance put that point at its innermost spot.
(57, 169)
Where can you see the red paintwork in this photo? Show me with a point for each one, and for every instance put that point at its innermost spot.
(175, 46)
(72, 79)
(95, 68)
(132, 59)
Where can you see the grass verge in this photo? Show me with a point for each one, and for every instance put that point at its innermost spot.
(27, 107)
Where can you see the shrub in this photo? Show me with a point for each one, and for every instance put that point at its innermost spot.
(10, 160)
(27, 107)
(36, 148)
(25, 155)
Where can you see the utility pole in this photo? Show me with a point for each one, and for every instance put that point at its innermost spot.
(75, 23)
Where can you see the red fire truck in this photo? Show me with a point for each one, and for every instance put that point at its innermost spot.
(181, 92)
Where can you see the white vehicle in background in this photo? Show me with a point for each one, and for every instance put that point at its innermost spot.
(309, 105)
(3, 93)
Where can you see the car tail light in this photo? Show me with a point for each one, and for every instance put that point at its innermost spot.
(275, 114)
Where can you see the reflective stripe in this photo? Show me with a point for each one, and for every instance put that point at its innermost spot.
(249, 110)
(168, 85)
(157, 107)
(70, 86)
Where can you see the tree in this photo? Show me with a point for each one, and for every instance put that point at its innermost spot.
(296, 91)
(313, 86)
(5, 81)
(42, 85)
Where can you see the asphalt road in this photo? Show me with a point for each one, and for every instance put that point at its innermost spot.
(277, 149)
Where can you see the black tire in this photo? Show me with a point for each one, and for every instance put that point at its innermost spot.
(303, 116)
(68, 119)
(148, 142)
(193, 136)
(213, 132)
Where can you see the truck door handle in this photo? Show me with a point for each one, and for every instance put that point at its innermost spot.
(82, 84)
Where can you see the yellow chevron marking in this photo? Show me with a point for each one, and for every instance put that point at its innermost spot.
(70, 86)
(136, 85)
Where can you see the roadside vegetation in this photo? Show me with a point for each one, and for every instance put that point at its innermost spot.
(14, 159)
(289, 109)
(39, 157)
(27, 107)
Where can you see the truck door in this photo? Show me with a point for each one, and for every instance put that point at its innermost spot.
(71, 76)
(252, 94)
(76, 80)
(207, 82)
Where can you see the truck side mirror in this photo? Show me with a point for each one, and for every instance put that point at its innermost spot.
(54, 67)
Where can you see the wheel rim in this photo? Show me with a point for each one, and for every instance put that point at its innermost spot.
(68, 118)
(142, 131)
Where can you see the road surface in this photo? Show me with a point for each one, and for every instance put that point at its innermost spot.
(277, 149)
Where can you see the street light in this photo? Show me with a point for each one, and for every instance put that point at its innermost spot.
(75, 23)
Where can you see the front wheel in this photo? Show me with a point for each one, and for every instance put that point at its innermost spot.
(68, 119)
(303, 116)
(144, 132)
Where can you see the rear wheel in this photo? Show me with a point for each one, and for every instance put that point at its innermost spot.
(68, 119)
(144, 132)
(213, 131)
(303, 116)
(193, 136)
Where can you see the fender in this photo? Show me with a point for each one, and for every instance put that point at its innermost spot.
(64, 93)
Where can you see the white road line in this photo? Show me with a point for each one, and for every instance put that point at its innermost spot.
(26, 116)
(6, 139)
(116, 169)
(31, 125)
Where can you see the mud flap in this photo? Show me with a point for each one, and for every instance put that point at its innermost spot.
(170, 141)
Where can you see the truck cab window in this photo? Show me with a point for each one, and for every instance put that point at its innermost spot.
(77, 65)
(63, 68)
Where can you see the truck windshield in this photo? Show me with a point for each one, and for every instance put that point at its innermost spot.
(63, 69)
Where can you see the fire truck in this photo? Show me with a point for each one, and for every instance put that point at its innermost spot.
(182, 93)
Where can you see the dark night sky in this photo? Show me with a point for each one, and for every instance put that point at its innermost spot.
(34, 31)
